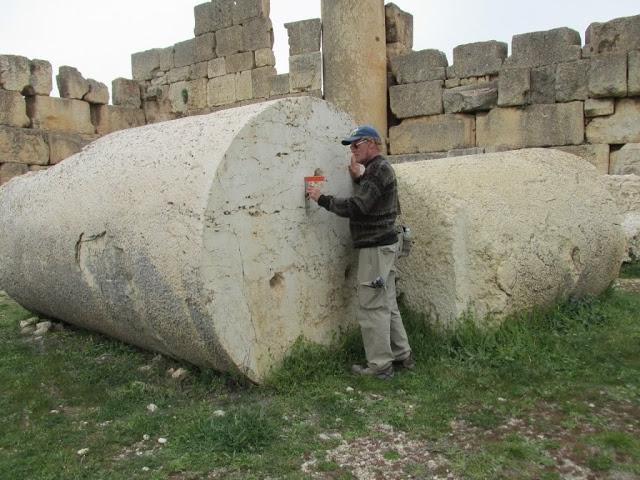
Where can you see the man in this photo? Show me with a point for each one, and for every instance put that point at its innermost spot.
(372, 212)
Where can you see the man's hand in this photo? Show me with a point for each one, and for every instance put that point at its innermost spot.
(354, 167)
(313, 193)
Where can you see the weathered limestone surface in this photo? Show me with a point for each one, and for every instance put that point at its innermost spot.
(26, 146)
(470, 98)
(421, 66)
(13, 110)
(126, 93)
(502, 232)
(596, 155)
(416, 99)
(621, 127)
(620, 35)
(110, 118)
(191, 237)
(304, 36)
(355, 59)
(545, 48)
(608, 76)
(514, 86)
(437, 133)
(478, 59)
(399, 26)
(624, 190)
(61, 114)
(71, 83)
(15, 72)
(626, 161)
(534, 126)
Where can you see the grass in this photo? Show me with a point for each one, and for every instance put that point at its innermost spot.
(517, 401)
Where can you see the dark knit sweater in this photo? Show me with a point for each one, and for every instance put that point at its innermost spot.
(373, 208)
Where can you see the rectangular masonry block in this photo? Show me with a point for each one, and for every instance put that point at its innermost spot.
(514, 86)
(62, 145)
(257, 34)
(25, 146)
(416, 99)
(144, 65)
(229, 41)
(304, 36)
(571, 81)
(478, 59)
(608, 76)
(110, 118)
(221, 90)
(399, 26)
(420, 66)
(13, 109)
(438, 133)
(545, 48)
(539, 125)
(61, 114)
(623, 126)
(305, 72)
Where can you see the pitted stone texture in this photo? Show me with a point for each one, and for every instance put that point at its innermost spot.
(193, 237)
(545, 48)
(620, 35)
(504, 232)
(478, 59)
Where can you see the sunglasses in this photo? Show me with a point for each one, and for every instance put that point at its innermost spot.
(355, 145)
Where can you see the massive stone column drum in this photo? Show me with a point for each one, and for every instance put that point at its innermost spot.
(504, 232)
(191, 237)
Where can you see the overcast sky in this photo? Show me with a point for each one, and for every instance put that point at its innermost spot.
(98, 37)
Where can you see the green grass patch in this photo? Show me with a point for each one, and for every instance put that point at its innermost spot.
(503, 402)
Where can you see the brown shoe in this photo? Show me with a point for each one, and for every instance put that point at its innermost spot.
(384, 374)
(409, 363)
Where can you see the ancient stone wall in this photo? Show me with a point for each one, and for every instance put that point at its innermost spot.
(552, 91)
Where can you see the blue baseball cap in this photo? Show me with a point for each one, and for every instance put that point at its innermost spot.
(363, 131)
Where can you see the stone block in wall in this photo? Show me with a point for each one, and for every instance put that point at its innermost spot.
(257, 34)
(144, 65)
(244, 86)
(478, 59)
(126, 93)
(617, 36)
(596, 155)
(398, 26)
(15, 72)
(213, 16)
(265, 57)
(157, 105)
(216, 67)
(470, 98)
(229, 41)
(623, 126)
(608, 76)
(420, 66)
(599, 107)
(245, 10)
(304, 36)
(221, 90)
(239, 62)
(40, 82)
(437, 133)
(196, 94)
(21, 145)
(543, 84)
(98, 93)
(60, 114)
(166, 57)
(11, 170)
(279, 85)
(540, 125)
(514, 86)
(416, 99)
(545, 48)
(71, 83)
(260, 81)
(179, 74)
(572, 81)
(13, 109)
(305, 72)
(111, 118)
(199, 70)
(184, 53)
(626, 161)
(633, 74)
(205, 47)
(62, 145)
(394, 50)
